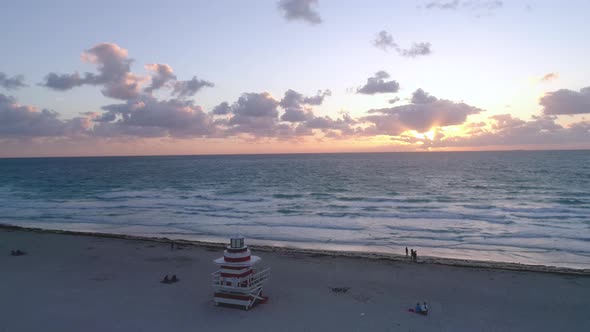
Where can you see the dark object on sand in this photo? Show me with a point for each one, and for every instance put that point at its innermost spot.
(17, 253)
(166, 280)
(340, 289)
(174, 279)
(421, 309)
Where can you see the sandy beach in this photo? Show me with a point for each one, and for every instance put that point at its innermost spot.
(92, 283)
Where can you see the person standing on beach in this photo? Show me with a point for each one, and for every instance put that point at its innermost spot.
(406, 251)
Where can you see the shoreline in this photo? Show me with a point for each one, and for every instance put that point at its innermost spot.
(454, 262)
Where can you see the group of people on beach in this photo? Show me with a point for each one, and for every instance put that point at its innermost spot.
(414, 254)
(172, 280)
(17, 252)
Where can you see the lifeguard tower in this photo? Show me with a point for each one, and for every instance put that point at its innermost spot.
(237, 282)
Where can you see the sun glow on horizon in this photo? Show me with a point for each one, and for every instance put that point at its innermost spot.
(429, 135)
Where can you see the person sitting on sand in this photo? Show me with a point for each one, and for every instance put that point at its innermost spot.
(425, 308)
(174, 279)
(165, 280)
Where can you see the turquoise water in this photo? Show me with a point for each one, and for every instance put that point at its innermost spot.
(528, 207)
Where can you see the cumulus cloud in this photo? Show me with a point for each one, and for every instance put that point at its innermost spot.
(189, 88)
(296, 105)
(294, 99)
(378, 84)
(300, 10)
(296, 115)
(117, 80)
(147, 117)
(422, 97)
(417, 49)
(384, 40)
(114, 73)
(260, 115)
(23, 121)
(424, 113)
(222, 109)
(549, 77)
(254, 113)
(11, 83)
(163, 74)
(566, 101)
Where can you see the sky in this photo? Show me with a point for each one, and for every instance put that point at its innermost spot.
(81, 78)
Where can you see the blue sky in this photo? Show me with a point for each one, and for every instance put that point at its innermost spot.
(487, 58)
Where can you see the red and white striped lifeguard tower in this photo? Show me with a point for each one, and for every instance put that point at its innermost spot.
(237, 282)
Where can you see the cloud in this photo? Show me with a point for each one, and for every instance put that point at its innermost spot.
(549, 77)
(454, 4)
(474, 5)
(254, 113)
(259, 115)
(421, 97)
(117, 80)
(424, 113)
(566, 101)
(163, 74)
(377, 84)
(506, 130)
(164, 77)
(22, 121)
(11, 83)
(417, 49)
(296, 105)
(63, 82)
(222, 109)
(148, 117)
(114, 73)
(300, 10)
(189, 88)
(294, 99)
(384, 41)
(394, 100)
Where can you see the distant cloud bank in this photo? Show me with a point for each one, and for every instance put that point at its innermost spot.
(140, 113)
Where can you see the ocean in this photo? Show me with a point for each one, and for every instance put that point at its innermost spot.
(530, 207)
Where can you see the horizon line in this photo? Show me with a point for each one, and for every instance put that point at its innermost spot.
(291, 153)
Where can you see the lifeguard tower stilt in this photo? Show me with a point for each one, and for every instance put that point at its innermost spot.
(236, 282)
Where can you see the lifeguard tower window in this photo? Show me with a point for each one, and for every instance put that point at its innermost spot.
(237, 243)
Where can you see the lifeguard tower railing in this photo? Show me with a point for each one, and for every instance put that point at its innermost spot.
(244, 285)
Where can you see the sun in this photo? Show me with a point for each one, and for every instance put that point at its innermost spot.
(429, 135)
